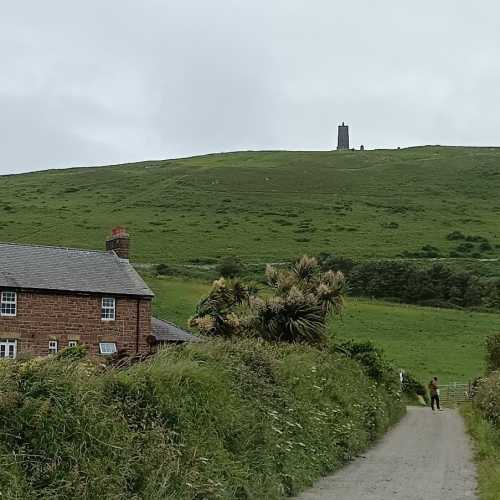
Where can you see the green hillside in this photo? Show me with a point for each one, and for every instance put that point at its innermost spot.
(423, 340)
(265, 206)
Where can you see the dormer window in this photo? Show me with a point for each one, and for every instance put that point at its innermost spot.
(8, 303)
(108, 309)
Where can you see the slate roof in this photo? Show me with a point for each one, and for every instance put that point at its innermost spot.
(164, 331)
(68, 269)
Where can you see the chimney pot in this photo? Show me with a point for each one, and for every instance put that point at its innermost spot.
(119, 242)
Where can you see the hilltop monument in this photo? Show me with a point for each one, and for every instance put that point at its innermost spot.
(343, 137)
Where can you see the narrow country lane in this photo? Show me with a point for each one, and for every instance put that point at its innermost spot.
(427, 456)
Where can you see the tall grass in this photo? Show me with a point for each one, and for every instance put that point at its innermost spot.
(220, 420)
(487, 452)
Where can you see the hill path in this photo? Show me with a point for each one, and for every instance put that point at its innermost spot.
(427, 456)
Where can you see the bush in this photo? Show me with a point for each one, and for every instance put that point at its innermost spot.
(465, 247)
(332, 262)
(220, 420)
(73, 353)
(426, 252)
(302, 300)
(230, 267)
(485, 246)
(411, 387)
(163, 269)
(435, 286)
(477, 239)
(455, 235)
(218, 313)
(493, 352)
(372, 360)
(487, 398)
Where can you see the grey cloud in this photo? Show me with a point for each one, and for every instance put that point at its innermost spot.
(97, 82)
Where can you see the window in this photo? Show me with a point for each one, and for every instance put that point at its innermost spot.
(53, 344)
(72, 343)
(107, 348)
(8, 302)
(8, 348)
(108, 309)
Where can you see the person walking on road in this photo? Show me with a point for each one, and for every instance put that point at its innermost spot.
(434, 391)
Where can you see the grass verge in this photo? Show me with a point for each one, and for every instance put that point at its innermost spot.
(487, 452)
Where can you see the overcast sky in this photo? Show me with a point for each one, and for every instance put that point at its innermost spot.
(109, 81)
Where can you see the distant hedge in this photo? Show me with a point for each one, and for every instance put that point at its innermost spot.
(400, 280)
(222, 419)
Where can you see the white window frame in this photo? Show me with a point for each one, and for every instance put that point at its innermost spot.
(107, 348)
(9, 303)
(72, 343)
(6, 343)
(108, 309)
(53, 346)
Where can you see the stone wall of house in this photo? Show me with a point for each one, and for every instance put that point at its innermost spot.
(44, 316)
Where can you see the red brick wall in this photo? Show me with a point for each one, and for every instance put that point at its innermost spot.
(44, 316)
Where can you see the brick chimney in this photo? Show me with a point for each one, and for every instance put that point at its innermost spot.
(119, 242)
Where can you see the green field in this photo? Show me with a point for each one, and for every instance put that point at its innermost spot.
(275, 206)
(264, 206)
(424, 340)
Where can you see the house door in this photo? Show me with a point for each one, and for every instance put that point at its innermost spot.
(8, 348)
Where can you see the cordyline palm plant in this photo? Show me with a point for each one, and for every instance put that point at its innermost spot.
(303, 299)
(216, 315)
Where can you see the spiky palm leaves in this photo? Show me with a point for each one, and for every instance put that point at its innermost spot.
(306, 275)
(294, 317)
(303, 299)
(215, 314)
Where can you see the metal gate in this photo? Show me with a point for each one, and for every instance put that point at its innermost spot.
(455, 392)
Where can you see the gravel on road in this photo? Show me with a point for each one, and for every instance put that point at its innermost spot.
(427, 456)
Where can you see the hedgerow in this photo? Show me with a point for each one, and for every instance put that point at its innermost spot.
(404, 281)
(225, 419)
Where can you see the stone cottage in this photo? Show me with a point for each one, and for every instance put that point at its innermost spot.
(56, 297)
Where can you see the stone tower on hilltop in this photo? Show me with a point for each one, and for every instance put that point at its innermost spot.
(343, 137)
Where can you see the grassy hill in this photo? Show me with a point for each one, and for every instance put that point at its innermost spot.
(423, 340)
(264, 206)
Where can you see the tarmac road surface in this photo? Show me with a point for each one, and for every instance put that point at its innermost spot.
(427, 456)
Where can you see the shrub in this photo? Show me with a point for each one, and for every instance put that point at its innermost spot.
(372, 360)
(163, 269)
(217, 314)
(230, 267)
(485, 246)
(429, 251)
(293, 318)
(426, 252)
(465, 247)
(487, 397)
(411, 387)
(303, 299)
(493, 352)
(73, 353)
(223, 420)
(477, 239)
(332, 262)
(437, 285)
(455, 235)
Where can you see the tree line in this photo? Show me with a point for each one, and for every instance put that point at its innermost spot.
(437, 285)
